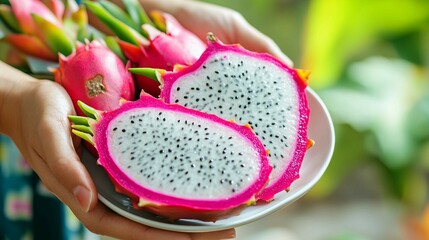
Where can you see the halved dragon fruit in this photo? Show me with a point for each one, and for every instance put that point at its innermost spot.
(174, 161)
(252, 88)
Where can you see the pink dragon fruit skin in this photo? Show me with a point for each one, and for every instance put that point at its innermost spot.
(24, 9)
(253, 88)
(164, 50)
(94, 74)
(139, 172)
(36, 28)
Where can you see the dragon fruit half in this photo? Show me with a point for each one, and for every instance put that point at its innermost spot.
(94, 74)
(161, 43)
(176, 162)
(252, 88)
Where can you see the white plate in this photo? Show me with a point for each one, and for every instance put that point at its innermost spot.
(314, 165)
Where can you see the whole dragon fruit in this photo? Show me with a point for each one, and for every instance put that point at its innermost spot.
(94, 74)
(252, 88)
(176, 162)
(161, 43)
(43, 31)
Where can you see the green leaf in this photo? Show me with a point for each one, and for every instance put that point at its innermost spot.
(136, 12)
(119, 14)
(79, 120)
(113, 45)
(9, 19)
(53, 36)
(152, 73)
(123, 31)
(90, 112)
(85, 136)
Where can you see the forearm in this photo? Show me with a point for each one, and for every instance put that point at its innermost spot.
(13, 85)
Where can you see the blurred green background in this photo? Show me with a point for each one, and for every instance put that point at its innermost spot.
(370, 64)
(369, 61)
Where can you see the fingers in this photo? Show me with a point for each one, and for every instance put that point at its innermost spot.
(225, 234)
(252, 39)
(105, 222)
(52, 141)
(102, 221)
(65, 165)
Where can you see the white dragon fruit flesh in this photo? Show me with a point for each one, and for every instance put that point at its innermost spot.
(251, 88)
(176, 162)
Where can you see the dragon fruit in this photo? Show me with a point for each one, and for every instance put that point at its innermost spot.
(41, 30)
(249, 87)
(161, 43)
(94, 74)
(176, 162)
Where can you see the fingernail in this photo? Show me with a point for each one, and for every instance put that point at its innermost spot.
(83, 197)
(228, 234)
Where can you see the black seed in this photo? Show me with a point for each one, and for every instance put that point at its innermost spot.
(114, 129)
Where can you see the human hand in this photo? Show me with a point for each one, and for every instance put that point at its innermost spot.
(34, 114)
(227, 24)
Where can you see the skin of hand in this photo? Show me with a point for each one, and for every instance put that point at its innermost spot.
(34, 114)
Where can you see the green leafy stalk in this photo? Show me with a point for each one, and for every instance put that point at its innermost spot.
(119, 14)
(90, 112)
(136, 12)
(152, 73)
(85, 136)
(113, 45)
(79, 120)
(83, 126)
(123, 31)
(7, 16)
(53, 36)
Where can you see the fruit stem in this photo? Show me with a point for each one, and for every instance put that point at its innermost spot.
(211, 37)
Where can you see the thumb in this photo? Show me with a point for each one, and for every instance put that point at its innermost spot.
(254, 40)
(66, 167)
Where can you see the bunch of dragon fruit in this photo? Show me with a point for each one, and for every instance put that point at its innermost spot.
(43, 30)
(156, 41)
